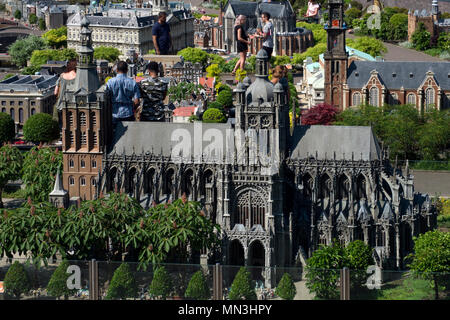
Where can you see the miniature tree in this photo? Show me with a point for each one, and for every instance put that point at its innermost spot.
(161, 284)
(215, 105)
(214, 116)
(225, 98)
(286, 288)
(57, 286)
(198, 288)
(18, 14)
(241, 288)
(32, 18)
(16, 280)
(41, 128)
(359, 256)
(322, 114)
(421, 38)
(123, 285)
(431, 258)
(7, 130)
(42, 25)
(10, 166)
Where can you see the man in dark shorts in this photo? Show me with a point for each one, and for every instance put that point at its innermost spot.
(161, 35)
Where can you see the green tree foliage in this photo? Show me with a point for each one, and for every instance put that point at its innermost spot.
(31, 70)
(42, 25)
(433, 136)
(213, 71)
(194, 55)
(368, 45)
(323, 271)
(183, 90)
(280, 60)
(215, 105)
(225, 98)
(107, 53)
(32, 18)
(18, 14)
(162, 284)
(21, 50)
(10, 166)
(56, 38)
(242, 288)
(41, 128)
(319, 33)
(313, 52)
(198, 288)
(421, 38)
(39, 171)
(359, 256)
(443, 42)
(17, 281)
(216, 59)
(352, 14)
(214, 116)
(286, 288)
(7, 128)
(40, 57)
(57, 286)
(123, 284)
(399, 27)
(8, 75)
(431, 258)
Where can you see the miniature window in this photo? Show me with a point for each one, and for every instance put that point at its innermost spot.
(412, 99)
(83, 138)
(83, 164)
(71, 163)
(356, 99)
(82, 119)
(94, 163)
(83, 181)
(71, 181)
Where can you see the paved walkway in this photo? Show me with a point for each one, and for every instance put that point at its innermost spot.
(397, 53)
(432, 182)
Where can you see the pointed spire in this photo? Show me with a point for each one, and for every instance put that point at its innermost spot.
(407, 168)
(58, 187)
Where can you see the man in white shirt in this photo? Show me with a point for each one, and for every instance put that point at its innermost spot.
(267, 33)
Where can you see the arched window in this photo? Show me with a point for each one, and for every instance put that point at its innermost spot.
(82, 119)
(71, 181)
(93, 119)
(429, 98)
(251, 207)
(71, 163)
(356, 99)
(83, 138)
(82, 181)
(13, 114)
(373, 99)
(33, 111)
(4, 110)
(93, 182)
(94, 163)
(20, 115)
(83, 164)
(412, 99)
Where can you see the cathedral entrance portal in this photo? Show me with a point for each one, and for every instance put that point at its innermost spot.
(256, 261)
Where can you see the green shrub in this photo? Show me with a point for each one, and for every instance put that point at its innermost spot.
(215, 105)
(214, 116)
(41, 128)
(421, 38)
(286, 288)
(7, 128)
(198, 288)
(399, 26)
(352, 14)
(242, 288)
(33, 18)
(123, 285)
(18, 14)
(106, 53)
(225, 98)
(17, 281)
(57, 286)
(443, 41)
(161, 284)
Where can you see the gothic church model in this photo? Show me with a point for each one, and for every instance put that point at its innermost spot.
(320, 183)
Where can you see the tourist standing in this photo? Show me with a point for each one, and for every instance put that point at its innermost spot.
(162, 40)
(64, 79)
(125, 94)
(242, 42)
(313, 11)
(267, 33)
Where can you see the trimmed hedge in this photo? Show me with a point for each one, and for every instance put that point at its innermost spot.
(41, 128)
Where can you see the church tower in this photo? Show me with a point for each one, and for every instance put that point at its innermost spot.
(86, 124)
(336, 57)
(160, 6)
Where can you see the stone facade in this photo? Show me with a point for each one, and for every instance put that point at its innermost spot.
(23, 96)
(185, 71)
(316, 183)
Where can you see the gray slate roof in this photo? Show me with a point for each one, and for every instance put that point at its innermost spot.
(344, 140)
(28, 83)
(402, 70)
(243, 7)
(277, 9)
(156, 136)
